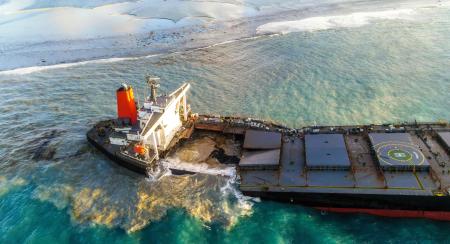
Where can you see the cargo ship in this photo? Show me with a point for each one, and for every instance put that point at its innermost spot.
(393, 170)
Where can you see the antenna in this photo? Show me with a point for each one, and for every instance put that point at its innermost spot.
(137, 97)
(153, 82)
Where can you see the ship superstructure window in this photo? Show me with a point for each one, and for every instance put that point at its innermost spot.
(326, 151)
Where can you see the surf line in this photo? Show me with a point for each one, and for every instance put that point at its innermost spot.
(33, 69)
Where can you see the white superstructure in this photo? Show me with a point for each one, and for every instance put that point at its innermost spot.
(158, 120)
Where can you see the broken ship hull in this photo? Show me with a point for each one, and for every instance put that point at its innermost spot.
(396, 170)
(405, 201)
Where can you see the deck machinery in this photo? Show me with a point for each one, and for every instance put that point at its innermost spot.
(397, 170)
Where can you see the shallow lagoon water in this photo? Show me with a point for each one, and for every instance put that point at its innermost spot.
(55, 187)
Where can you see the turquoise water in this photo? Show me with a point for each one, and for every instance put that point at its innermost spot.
(56, 188)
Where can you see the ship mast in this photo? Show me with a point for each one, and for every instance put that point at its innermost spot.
(153, 82)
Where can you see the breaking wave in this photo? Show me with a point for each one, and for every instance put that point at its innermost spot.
(33, 69)
(334, 22)
(202, 168)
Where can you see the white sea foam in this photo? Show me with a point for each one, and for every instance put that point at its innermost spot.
(203, 168)
(158, 172)
(242, 199)
(333, 22)
(32, 69)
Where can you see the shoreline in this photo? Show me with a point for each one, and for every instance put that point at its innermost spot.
(23, 58)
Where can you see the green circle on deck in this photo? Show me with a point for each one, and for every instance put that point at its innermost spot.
(399, 155)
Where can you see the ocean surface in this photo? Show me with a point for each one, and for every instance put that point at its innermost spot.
(54, 187)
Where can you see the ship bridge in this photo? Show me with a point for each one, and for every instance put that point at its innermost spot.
(149, 129)
(162, 117)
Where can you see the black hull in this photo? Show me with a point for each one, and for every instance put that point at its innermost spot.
(129, 164)
(358, 201)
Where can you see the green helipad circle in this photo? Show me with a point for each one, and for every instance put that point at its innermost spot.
(399, 155)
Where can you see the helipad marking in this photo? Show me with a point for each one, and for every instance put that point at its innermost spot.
(399, 155)
(396, 144)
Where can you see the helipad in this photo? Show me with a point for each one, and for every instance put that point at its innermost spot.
(396, 151)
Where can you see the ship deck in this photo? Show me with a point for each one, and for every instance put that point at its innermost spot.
(292, 175)
(407, 159)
